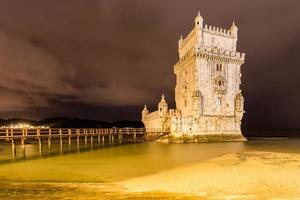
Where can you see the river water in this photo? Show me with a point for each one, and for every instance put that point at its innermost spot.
(90, 174)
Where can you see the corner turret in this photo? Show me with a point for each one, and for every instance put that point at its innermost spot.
(145, 112)
(234, 30)
(180, 41)
(163, 107)
(199, 21)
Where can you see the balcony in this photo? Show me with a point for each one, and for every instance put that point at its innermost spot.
(220, 86)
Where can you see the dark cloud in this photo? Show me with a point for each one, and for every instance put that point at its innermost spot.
(105, 59)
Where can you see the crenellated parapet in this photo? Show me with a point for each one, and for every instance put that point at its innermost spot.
(207, 35)
(219, 31)
(221, 55)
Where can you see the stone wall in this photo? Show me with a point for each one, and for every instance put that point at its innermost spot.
(207, 93)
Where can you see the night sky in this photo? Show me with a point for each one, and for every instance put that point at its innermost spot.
(105, 59)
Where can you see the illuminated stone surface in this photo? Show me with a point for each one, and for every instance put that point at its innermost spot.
(207, 93)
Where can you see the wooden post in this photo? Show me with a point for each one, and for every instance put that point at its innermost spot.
(120, 136)
(85, 137)
(69, 138)
(60, 141)
(78, 139)
(23, 146)
(99, 137)
(134, 136)
(13, 148)
(23, 143)
(102, 139)
(49, 140)
(92, 137)
(92, 140)
(38, 133)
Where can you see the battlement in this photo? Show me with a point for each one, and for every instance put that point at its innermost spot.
(218, 31)
(207, 35)
(213, 53)
(220, 52)
(208, 29)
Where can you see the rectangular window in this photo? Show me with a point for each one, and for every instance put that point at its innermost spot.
(219, 101)
(219, 67)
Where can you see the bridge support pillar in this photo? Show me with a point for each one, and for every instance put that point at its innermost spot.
(102, 139)
(85, 138)
(40, 145)
(99, 140)
(109, 138)
(13, 148)
(120, 138)
(23, 146)
(92, 141)
(49, 144)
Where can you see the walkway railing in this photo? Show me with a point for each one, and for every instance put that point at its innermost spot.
(93, 135)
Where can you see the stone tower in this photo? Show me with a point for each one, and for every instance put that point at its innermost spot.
(208, 78)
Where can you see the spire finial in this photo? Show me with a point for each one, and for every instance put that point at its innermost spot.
(181, 37)
(199, 20)
(163, 96)
(233, 29)
(145, 110)
(233, 24)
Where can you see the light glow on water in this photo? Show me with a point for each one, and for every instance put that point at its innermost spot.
(92, 169)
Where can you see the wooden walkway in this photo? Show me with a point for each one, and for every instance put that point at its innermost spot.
(93, 135)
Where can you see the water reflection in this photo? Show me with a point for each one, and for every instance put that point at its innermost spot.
(32, 149)
(106, 165)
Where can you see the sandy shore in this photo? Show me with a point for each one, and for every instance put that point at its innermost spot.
(249, 175)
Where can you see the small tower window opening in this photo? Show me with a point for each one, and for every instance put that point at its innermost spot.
(219, 68)
(185, 103)
(219, 101)
(221, 83)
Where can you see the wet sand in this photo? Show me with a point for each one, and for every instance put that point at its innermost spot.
(247, 175)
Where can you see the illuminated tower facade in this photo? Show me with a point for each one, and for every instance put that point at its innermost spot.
(208, 78)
